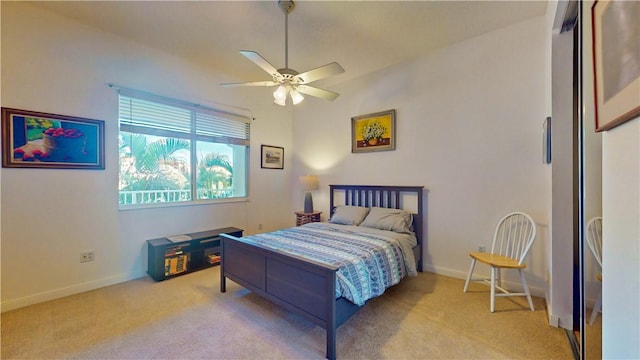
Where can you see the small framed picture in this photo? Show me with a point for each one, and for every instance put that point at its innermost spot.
(33, 139)
(373, 132)
(272, 157)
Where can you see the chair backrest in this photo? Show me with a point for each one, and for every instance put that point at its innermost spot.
(514, 236)
(594, 238)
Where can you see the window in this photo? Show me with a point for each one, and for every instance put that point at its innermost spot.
(170, 151)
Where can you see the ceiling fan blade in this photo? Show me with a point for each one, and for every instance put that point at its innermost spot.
(253, 83)
(320, 73)
(317, 92)
(260, 61)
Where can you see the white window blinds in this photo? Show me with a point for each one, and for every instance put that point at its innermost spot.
(155, 115)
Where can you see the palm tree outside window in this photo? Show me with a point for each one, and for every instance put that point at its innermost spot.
(171, 152)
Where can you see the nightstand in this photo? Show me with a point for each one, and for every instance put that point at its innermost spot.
(304, 218)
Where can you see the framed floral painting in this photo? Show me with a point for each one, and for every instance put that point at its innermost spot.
(374, 132)
(33, 139)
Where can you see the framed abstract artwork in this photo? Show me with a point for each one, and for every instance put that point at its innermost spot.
(373, 132)
(616, 62)
(33, 139)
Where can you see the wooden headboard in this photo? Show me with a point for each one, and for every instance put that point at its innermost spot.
(381, 196)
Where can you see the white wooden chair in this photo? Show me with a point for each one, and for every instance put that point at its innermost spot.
(594, 241)
(512, 241)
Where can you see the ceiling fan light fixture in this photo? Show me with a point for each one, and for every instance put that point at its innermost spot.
(289, 80)
(280, 95)
(296, 97)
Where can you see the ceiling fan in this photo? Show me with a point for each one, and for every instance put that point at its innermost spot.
(289, 81)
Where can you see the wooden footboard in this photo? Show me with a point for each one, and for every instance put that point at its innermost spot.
(301, 286)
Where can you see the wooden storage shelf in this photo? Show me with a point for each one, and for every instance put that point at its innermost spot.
(182, 254)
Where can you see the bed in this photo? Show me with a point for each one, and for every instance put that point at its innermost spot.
(315, 289)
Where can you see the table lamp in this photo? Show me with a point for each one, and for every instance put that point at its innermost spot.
(309, 182)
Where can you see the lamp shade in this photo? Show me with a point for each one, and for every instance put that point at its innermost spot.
(309, 182)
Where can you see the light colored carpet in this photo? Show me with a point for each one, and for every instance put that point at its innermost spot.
(425, 317)
(593, 338)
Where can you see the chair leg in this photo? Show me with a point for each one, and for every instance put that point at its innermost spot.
(596, 309)
(493, 288)
(526, 288)
(473, 266)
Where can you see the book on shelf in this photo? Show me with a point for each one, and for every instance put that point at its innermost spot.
(172, 251)
(213, 258)
(175, 265)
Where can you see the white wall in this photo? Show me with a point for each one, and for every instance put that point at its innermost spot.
(621, 242)
(469, 122)
(55, 65)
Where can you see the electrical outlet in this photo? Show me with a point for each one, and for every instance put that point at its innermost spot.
(482, 248)
(87, 256)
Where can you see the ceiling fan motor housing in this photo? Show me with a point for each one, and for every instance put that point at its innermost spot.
(288, 76)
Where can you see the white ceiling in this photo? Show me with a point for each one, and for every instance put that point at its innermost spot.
(361, 36)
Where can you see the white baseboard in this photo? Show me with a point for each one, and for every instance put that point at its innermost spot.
(561, 322)
(67, 291)
(535, 291)
(92, 285)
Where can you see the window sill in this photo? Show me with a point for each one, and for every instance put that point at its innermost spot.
(182, 203)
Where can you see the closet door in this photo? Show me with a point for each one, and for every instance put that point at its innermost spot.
(591, 192)
(577, 172)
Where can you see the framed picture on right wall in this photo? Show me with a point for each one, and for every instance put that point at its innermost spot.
(616, 62)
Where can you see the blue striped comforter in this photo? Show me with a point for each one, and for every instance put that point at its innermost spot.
(368, 262)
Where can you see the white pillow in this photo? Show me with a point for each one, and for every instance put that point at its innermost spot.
(349, 215)
(389, 219)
